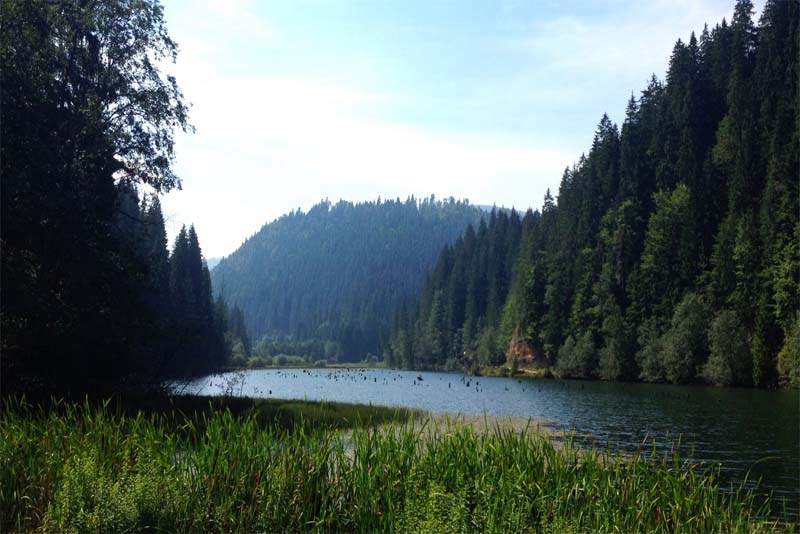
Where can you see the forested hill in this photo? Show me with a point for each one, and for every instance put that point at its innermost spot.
(672, 251)
(334, 276)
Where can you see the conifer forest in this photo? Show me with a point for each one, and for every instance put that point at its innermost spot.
(315, 293)
(671, 250)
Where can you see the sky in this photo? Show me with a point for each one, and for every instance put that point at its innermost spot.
(298, 101)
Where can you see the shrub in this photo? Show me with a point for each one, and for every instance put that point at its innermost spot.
(685, 344)
(255, 362)
(616, 356)
(649, 357)
(789, 357)
(488, 351)
(577, 359)
(729, 362)
(238, 361)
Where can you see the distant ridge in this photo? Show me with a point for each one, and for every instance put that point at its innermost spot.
(333, 277)
(488, 208)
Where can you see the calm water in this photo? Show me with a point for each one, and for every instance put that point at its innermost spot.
(741, 429)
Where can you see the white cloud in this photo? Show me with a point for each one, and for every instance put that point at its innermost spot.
(269, 140)
(267, 144)
(600, 55)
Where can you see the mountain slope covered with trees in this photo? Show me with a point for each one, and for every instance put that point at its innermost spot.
(672, 252)
(326, 283)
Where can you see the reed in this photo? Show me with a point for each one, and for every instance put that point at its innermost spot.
(92, 468)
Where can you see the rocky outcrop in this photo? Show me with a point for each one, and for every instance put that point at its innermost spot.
(524, 354)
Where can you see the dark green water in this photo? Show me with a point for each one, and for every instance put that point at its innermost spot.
(750, 433)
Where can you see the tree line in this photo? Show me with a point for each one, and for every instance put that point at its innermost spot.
(325, 283)
(672, 251)
(91, 297)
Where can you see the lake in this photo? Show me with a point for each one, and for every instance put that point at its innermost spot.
(742, 429)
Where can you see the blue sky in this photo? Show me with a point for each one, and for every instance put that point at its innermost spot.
(297, 101)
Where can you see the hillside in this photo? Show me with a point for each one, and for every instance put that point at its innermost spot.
(671, 253)
(326, 283)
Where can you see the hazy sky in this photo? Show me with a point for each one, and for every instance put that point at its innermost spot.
(297, 101)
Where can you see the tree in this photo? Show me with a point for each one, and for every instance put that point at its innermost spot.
(685, 344)
(688, 213)
(729, 362)
(341, 271)
(667, 263)
(84, 105)
(789, 357)
(238, 332)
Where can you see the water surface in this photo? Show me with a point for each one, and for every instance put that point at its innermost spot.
(750, 432)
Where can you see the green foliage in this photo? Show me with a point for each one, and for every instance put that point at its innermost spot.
(197, 325)
(767, 340)
(255, 362)
(667, 260)
(489, 353)
(460, 310)
(685, 343)
(338, 273)
(79, 469)
(577, 359)
(690, 210)
(786, 281)
(87, 116)
(616, 355)
(651, 353)
(729, 362)
(789, 357)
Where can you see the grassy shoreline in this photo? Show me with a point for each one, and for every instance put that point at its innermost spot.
(201, 464)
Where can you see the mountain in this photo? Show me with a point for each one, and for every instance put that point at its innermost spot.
(327, 283)
(671, 252)
(212, 262)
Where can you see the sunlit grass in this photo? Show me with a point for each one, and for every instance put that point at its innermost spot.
(87, 468)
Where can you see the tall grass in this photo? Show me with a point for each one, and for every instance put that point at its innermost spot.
(83, 468)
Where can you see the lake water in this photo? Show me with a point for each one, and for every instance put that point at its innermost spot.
(743, 430)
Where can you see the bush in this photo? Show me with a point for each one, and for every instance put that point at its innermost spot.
(649, 357)
(453, 364)
(729, 362)
(488, 351)
(685, 344)
(257, 362)
(320, 363)
(789, 357)
(238, 361)
(616, 356)
(282, 360)
(577, 359)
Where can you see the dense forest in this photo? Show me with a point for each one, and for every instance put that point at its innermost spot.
(91, 297)
(326, 283)
(672, 251)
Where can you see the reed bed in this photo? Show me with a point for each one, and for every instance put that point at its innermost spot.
(89, 468)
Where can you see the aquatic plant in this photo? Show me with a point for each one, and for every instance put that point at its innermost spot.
(84, 468)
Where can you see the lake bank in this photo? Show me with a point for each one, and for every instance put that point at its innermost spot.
(751, 433)
(88, 468)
